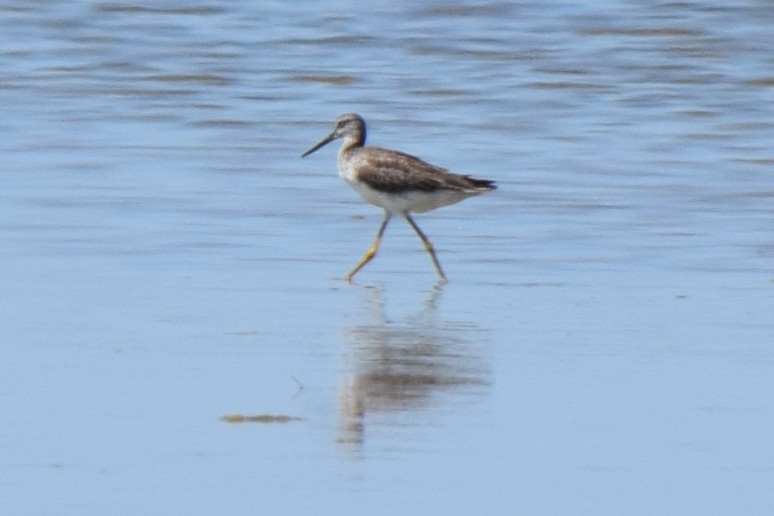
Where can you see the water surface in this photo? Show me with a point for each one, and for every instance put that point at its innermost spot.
(603, 346)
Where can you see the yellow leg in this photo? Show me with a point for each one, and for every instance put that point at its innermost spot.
(428, 247)
(371, 252)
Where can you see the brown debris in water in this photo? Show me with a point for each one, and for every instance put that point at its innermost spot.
(259, 418)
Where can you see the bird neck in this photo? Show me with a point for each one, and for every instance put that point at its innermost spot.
(353, 141)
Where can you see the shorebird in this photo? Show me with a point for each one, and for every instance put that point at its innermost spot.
(398, 183)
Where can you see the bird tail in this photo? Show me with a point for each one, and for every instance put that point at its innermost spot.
(481, 184)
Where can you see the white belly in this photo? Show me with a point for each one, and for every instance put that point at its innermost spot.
(414, 201)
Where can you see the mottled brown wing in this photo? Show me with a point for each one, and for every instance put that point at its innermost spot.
(397, 172)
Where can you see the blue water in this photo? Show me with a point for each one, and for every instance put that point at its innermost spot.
(604, 345)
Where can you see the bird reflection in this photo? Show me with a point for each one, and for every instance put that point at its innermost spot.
(401, 365)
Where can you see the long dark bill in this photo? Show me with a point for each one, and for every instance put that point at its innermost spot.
(327, 140)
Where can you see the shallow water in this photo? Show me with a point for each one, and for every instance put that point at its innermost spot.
(604, 345)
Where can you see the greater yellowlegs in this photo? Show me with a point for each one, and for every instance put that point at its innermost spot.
(396, 182)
